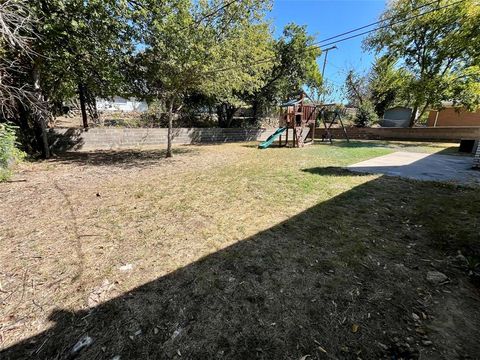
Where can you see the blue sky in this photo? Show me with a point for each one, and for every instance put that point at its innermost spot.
(325, 18)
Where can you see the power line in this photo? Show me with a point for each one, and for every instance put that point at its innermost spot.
(315, 45)
(374, 23)
(216, 11)
(386, 26)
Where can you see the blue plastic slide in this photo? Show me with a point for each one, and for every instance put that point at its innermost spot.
(272, 138)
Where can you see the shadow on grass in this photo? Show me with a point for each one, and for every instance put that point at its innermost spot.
(254, 146)
(333, 171)
(335, 281)
(128, 158)
(67, 140)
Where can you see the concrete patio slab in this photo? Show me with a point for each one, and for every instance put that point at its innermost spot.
(431, 167)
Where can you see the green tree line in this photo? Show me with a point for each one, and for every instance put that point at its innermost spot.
(427, 53)
(173, 52)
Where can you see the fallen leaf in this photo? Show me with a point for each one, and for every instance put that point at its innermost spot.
(355, 328)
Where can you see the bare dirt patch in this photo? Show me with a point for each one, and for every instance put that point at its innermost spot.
(230, 252)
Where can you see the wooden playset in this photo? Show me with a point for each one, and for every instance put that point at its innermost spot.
(298, 119)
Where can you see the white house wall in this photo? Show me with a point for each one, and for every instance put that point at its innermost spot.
(118, 103)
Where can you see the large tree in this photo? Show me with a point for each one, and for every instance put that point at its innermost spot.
(382, 87)
(438, 43)
(244, 60)
(386, 84)
(295, 69)
(206, 46)
(83, 46)
(356, 88)
(75, 48)
(18, 94)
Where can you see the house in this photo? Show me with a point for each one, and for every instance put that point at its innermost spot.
(118, 103)
(453, 116)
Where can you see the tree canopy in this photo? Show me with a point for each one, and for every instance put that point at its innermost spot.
(295, 68)
(198, 49)
(438, 44)
(83, 46)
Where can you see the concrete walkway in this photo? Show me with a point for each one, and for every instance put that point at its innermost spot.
(432, 167)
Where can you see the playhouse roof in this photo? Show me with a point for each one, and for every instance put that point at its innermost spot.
(291, 103)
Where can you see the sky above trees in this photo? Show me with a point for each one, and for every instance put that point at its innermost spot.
(326, 18)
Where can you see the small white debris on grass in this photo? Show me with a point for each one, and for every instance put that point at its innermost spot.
(126, 267)
(176, 333)
(84, 342)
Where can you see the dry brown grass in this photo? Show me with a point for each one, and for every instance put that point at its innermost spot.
(229, 240)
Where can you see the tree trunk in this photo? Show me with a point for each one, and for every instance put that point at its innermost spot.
(91, 103)
(221, 115)
(413, 117)
(230, 112)
(255, 110)
(169, 132)
(41, 115)
(82, 97)
(420, 114)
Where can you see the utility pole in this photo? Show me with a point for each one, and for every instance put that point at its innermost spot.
(325, 60)
(324, 65)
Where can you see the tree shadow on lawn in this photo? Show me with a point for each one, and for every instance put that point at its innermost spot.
(339, 280)
(124, 158)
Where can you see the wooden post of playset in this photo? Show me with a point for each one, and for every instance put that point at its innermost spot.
(300, 118)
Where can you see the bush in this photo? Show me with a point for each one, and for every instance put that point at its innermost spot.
(155, 116)
(9, 152)
(366, 115)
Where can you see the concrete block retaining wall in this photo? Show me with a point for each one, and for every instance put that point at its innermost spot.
(112, 138)
(427, 134)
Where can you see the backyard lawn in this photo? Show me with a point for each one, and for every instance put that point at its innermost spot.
(227, 251)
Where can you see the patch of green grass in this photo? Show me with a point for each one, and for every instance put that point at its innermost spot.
(444, 148)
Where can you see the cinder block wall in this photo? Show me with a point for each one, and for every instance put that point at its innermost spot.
(414, 134)
(112, 138)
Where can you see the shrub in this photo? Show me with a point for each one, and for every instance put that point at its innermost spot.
(366, 115)
(9, 152)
